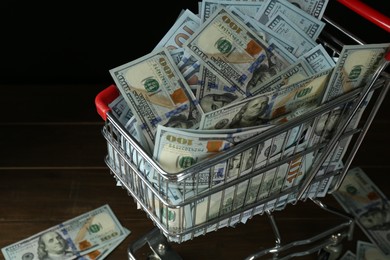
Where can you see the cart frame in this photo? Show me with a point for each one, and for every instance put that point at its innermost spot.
(132, 167)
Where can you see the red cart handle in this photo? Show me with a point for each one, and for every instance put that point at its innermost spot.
(368, 13)
(104, 98)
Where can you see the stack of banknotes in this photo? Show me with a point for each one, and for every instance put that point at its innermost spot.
(228, 72)
(235, 66)
(93, 235)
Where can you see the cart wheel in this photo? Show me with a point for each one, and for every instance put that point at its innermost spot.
(158, 247)
(330, 252)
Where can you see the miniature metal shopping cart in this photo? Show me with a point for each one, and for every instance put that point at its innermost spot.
(209, 203)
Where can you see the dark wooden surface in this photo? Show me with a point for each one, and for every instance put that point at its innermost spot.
(55, 60)
(52, 170)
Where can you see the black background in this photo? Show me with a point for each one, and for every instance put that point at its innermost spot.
(61, 42)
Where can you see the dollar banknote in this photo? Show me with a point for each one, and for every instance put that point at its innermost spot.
(354, 68)
(276, 147)
(315, 8)
(120, 109)
(310, 25)
(212, 92)
(252, 190)
(360, 197)
(319, 59)
(282, 25)
(282, 49)
(177, 54)
(75, 238)
(232, 50)
(326, 125)
(297, 71)
(348, 255)
(156, 93)
(209, 6)
(174, 218)
(260, 109)
(290, 175)
(368, 251)
(178, 149)
(189, 66)
(182, 29)
(256, 188)
(104, 251)
(266, 33)
(259, 1)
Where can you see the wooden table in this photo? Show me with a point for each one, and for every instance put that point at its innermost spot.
(52, 169)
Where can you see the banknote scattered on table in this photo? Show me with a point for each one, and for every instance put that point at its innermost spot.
(361, 198)
(348, 256)
(93, 235)
(369, 251)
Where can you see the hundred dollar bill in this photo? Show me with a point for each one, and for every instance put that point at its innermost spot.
(317, 189)
(174, 219)
(265, 33)
(220, 203)
(209, 6)
(214, 175)
(273, 36)
(260, 1)
(104, 251)
(245, 19)
(282, 25)
(284, 177)
(181, 30)
(271, 182)
(348, 256)
(120, 109)
(361, 198)
(177, 54)
(296, 72)
(315, 8)
(283, 51)
(260, 109)
(212, 92)
(325, 126)
(301, 93)
(369, 251)
(281, 46)
(310, 25)
(76, 237)
(189, 66)
(187, 61)
(294, 114)
(249, 191)
(354, 68)
(177, 149)
(319, 59)
(277, 146)
(231, 50)
(156, 93)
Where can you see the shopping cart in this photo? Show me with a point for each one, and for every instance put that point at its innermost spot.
(211, 203)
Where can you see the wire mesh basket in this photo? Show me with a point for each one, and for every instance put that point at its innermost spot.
(296, 160)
